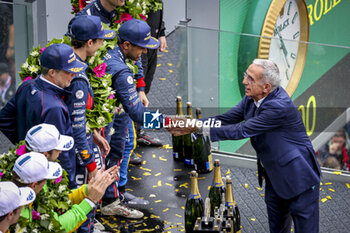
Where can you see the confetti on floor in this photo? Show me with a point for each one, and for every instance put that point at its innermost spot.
(245, 185)
(329, 183)
(158, 174)
(324, 200)
(258, 188)
(170, 71)
(170, 64)
(162, 79)
(167, 146)
(348, 185)
(135, 178)
(158, 65)
(176, 84)
(253, 219)
(332, 190)
(177, 170)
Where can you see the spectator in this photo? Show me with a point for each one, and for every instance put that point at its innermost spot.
(332, 162)
(12, 199)
(336, 147)
(41, 100)
(7, 85)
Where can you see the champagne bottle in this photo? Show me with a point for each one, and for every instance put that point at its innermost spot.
(231, 203)
(217, 188)
(203, 161)
(188, 145)
(194, 204)
(178, 141)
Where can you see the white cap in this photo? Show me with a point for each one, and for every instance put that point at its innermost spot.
(12, 197)
(45, 137)
(32, 167)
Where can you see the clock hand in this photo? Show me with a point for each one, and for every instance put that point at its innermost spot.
(283, 47)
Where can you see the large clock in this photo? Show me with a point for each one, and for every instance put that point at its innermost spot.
(284, 37)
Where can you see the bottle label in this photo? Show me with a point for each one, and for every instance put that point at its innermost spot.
(195, 196)
(175, 155)
(189, 161)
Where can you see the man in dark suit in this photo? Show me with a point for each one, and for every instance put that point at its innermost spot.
(285, 155)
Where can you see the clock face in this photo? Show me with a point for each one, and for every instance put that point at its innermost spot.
(284, 45)
(283, 36)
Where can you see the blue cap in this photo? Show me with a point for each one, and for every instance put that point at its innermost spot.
(138, 33)
(61, 57)
(86, 27)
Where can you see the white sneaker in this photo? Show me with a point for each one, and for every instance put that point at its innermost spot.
(98, 225)
(116, 208)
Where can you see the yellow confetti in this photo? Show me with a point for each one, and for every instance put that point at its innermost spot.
(347, 185)
(258, 188)
(135, 178)
(245, 185)
(158, 65)
(253, 219)
(228, 172)
(321, 183)
(159, 183)
(166, 51)
(329, 183)
(155, 186)
(184, 185)
(169, 64)
(145, 169)
(162, 79)
(170, 71)
(176, 84)
(144, 162)
(147, 174)
(158, 174)
(183, 207)
(324, 199)
(176, 190)
(177, 170)
(159, 55)
(154, 156)
(332, 190)
(157, 201)
(130, 190)
(162, 159)
(208, 187)
(337, 172)
(263, 195)
(168, 184)
(167, 146)
(153, 216)
(329, 197)
(165, 210)
(178, 215)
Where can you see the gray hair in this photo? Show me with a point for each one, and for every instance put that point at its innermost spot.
(271, 72)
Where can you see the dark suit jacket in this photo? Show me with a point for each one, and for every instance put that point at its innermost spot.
(278, 135)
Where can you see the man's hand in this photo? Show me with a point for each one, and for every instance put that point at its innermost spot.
(102, 143)
(163, 44)
(143, 98)
(92, 174)
(98, 185)
(178, 126)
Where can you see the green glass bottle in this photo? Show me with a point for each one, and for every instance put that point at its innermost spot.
(188, 141)
(194, 207)
(217, 188)
(178, 141)
(202, 158)
(230, 202)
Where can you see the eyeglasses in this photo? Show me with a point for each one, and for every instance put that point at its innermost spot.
(249, 78)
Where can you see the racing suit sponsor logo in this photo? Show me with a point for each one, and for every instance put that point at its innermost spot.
(130, 80)
(79, 118)
(130, 90)
(78, 112)
(77, 125)
(133, 96)
(79, 104)
(79, 94)
(135, 102)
